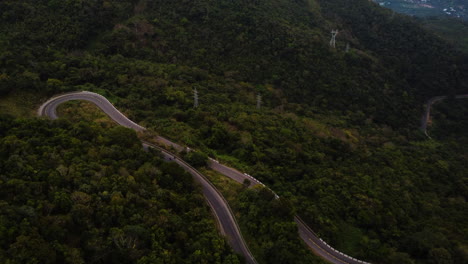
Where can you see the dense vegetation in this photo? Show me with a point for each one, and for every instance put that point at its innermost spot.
(371, 195)
(336, 134)
(453, 30)
(74, 194)
(449, 121)
(267, 223)
(279, 46)
(270, 221)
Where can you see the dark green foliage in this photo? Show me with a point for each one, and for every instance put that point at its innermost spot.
(123, 136)
(279, 46)
(196, 158)
(271, 223)
(449, 120)
(382, 196)
(454, 30)
(74, 193)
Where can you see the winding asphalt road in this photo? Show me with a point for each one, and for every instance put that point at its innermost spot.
(218, 204)
(427, 113)
(222, 211)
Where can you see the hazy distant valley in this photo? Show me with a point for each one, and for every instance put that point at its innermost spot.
(423, 8)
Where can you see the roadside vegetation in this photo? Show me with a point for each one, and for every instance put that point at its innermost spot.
(76, 111)
(20, 104)
(267, 224)
(76, 193)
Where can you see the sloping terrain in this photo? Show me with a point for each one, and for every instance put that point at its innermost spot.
(71, 193)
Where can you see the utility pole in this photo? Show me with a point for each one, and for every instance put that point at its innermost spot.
(259, 101)
(347, 47)
(333, 39)
(195, 98)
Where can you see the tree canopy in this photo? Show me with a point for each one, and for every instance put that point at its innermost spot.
(74, 193)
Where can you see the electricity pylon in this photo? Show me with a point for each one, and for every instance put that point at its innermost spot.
(333, 39)
(259, 101)
(195, 98)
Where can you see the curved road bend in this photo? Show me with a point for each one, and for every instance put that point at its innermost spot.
(321, 248)
(317, 245)
(218, 204)
(49, 109)
(427, 112)
(220, 207)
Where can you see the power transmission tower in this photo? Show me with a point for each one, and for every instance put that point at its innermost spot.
(333, 39)
(259, 101)
(195, 98)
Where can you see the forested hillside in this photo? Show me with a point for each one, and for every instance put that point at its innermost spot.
(336, 133)
(71, 193)
(455, 31)
(449, 122)
(279, 46)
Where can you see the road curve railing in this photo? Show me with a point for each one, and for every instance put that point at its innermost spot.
(226, 219)
(317, 244)
(427, 112)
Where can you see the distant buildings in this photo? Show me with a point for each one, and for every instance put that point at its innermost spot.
(427, 7)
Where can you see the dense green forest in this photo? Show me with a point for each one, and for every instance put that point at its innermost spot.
(74, 193)
(453, 30)
(336, 134)
(267, 223)
(280, 47)
(449, 122)
(269, 220)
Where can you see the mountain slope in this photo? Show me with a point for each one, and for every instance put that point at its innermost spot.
(278, 42)
(72, 193)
